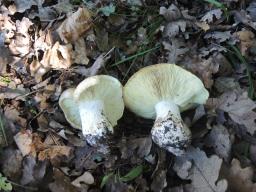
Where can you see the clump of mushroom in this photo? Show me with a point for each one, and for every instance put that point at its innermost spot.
(94, 106)
(161, 92)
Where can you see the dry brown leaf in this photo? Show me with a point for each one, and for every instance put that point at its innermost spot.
(58, 57)
(203, 25)
(75, 25)
(246, 39)
(240, 179)
(79, 55)
(24, 141)
(170, 14)
(54, 151)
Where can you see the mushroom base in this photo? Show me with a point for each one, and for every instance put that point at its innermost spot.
(169, 131)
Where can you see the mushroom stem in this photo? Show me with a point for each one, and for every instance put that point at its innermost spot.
(94, 123)
(169, 130)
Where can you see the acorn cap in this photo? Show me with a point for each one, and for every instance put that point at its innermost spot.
(163, 82)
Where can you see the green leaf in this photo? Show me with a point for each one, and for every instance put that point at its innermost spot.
(108, 10)
(105, 179)
(4, 184)
(135, 172)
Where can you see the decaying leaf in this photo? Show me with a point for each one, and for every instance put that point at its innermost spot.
(175, 48)
(62, 183)
(219, 36)
(11, 163)
(79, 55)
(159, 183)
(208, 17)
(170, 14)
(139, 146)
(86, 178)
(246, 40)
(203, 68)
(240, 108)
(204, 172)
(219, 139)
(54, 151)
(173, 28)
(58, 57)
(24, 140)
(22, 42)
(240, 179)
(21, 5)
(75, 25)
(32, 171)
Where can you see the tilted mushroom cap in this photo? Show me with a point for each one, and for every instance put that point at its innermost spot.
(163, 82)
(94, 105)
(161, 91)
(69, 106)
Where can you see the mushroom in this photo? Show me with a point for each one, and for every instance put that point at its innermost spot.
(94, 106)
(161, 92)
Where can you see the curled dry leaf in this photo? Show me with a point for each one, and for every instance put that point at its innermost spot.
(75, 25)
(204, 172)
(79, 55)
(240, 179)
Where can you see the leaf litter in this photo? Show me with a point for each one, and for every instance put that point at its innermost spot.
(49, 46)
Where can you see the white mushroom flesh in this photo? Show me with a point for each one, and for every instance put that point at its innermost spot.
(95, 125)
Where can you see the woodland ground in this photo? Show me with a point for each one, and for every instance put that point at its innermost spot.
(49, 46)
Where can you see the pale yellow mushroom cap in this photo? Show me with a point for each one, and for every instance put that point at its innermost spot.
(163, 82)
(96, 88)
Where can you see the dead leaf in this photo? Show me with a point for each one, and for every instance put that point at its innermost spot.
(54, 151)
(240, 179)
(85, 178)
(58, 57)
(138, 146)
(21, 6)
(24, 141)
(32, 171)
(62, 183)
(173, 28)
(75, 25)
(219, 139)
(223, 84)
(219, 36)
(22, 42)
(175, 48)
(208, 17)
(11, 163)
(204, 172)
(246, 40)
(240, 108)
(203, 25)
(252, 10)
(202, 68)
(79, 55)
(170, 14)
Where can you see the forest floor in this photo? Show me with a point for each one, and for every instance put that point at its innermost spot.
(49, 46)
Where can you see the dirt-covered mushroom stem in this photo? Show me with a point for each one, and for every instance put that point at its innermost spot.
(169, 131)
